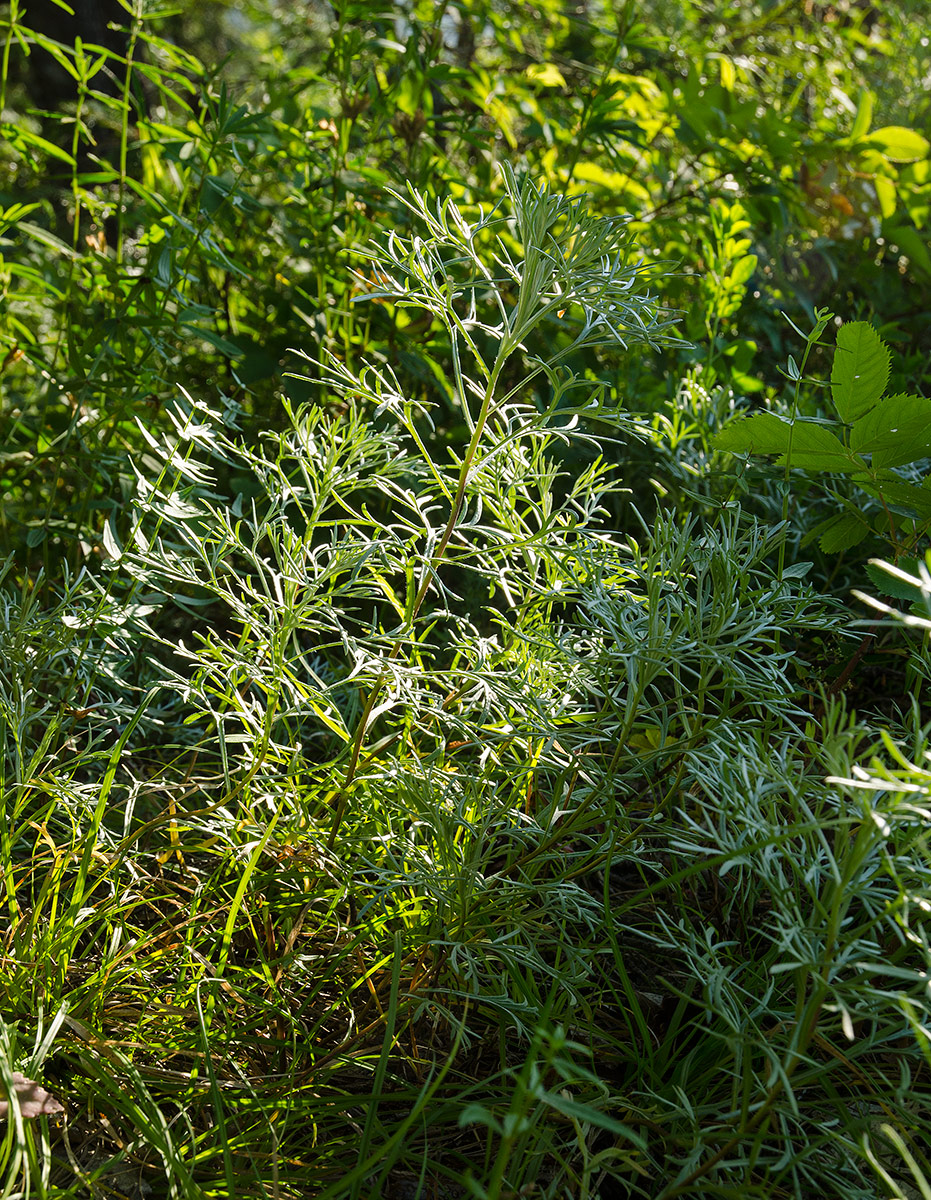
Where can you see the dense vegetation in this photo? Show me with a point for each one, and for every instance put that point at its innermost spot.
(463, 629)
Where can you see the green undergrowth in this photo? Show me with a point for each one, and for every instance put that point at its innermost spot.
(573, 890)
(457, 770)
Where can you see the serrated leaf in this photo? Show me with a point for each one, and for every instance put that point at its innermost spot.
(188, 602)
(903, 498)
(860, 371)
(33, 1100)
(809, 446)
(814, 533)
(893, 585)
(899, 144)
(764, 433)
(814, 448)
(896, 431)
(842, 533)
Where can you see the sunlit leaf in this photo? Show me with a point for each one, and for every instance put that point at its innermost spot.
(546, 74)
(861, 122)
(764, 433)
(860, 370)
(804, 444)
(900, 144)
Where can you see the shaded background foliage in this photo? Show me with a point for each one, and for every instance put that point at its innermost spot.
(746, 142)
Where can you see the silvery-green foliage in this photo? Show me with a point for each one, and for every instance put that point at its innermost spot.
(69, 673)
(810, 967)
(349, 517)
(562, 768)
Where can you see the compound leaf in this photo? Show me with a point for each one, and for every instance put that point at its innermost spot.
(898, 496)
(815, 448)
(806, 444)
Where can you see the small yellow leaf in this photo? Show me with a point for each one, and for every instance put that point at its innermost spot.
(546, 74)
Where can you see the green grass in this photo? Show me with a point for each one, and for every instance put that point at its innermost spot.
(539, 956)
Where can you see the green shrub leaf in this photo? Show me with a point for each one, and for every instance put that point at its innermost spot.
(805, 444)
(894, 585)
(860, 371)
(899, 144)
(895, 432)
(764, 433)
(912, 245)
(815, 448)
(861, 122)
(843, 532)
(899, 497)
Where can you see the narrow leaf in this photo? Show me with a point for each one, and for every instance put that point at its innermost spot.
(334, 724)
(38, 234)
(913, 246)
(214, 339)
(861, 122)
(591, 1116)
(25, 137)
(110, 543)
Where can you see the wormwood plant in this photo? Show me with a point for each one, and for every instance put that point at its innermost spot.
(486, 511)
(462, 844)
